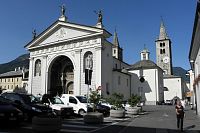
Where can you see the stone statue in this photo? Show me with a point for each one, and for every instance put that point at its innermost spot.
(100, 16)
(34, 33)
(62, 9)
(89, 62)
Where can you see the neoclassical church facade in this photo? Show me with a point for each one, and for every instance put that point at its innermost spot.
(60, 55)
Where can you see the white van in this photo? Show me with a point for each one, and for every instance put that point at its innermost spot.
(58, 105)
(79, 103)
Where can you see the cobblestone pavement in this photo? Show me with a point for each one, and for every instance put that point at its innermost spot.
(157, 119)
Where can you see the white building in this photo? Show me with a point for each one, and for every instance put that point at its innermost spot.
(61, 53)
(148, 80)
(194, 57)
(175, 87)
(16, 80)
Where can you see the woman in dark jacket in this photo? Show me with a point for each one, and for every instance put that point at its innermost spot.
(180, 115)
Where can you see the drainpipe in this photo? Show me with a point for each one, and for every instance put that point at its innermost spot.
(156, 86)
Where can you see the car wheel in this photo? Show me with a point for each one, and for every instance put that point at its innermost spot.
(81, 112)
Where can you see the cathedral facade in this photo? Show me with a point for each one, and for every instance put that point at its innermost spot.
(61, 55)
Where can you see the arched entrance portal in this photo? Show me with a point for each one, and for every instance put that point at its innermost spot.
(62, 76)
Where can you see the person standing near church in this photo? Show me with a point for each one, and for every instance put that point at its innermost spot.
(180, 115)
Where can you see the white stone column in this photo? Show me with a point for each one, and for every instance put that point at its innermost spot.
(44, 75)
(98, 63)
(77, 73)
(31, 74)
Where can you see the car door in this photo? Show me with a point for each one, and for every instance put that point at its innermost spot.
(73, 103)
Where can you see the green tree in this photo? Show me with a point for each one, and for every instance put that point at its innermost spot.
(116, 100)
(94, 98)
(133, 100)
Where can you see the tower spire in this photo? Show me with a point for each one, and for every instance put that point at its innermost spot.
(163, 33)
(115, 38)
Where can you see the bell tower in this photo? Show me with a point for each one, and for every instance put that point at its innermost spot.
(163, 51)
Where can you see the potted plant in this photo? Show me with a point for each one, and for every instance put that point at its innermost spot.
(117, 109)
(133, 101)
(94, 116)
(46, 123)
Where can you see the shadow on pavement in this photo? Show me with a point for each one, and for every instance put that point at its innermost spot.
(189, 127)
(132, 129)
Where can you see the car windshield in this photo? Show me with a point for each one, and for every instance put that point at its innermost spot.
(30, 99)
(82, 99)
(56, 100)
(4, 101)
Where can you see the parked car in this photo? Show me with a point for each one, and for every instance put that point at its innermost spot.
(8, 112)
(28, 104)
(104, 102)
(57, 105)
(79, 103)
(168, 102)
(103, 109)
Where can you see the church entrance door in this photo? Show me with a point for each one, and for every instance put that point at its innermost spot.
(62, 76)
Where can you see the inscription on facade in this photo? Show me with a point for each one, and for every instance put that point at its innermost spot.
(65, 46)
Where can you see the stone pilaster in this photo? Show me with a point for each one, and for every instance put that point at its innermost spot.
(77, 73)
(44, 75)
(98, 66)
(31, 74)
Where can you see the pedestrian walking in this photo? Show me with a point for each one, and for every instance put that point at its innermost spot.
(180, 115)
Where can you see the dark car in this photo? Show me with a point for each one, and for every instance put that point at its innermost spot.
(8, 112)
(28, 104)
(103, 109)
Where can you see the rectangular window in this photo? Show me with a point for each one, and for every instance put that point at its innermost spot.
(144, 56)
(17, 79)
(119, 80)
(107, 88)
(12, 79)
(8, 79)
(5, 80)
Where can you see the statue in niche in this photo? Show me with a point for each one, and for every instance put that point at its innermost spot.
(89, 62)
(38, 68)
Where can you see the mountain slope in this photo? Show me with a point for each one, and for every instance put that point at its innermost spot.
(21, 61)
(179, 71)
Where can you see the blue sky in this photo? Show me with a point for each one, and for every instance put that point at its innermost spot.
(137, 23)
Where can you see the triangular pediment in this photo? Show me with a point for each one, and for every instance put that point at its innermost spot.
(62, 32)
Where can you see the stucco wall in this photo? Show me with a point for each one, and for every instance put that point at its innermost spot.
(174, 88)
(148, 89)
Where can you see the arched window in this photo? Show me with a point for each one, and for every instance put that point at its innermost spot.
(88, 61)
(163, 51)
(163, 44)
(37, 68)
